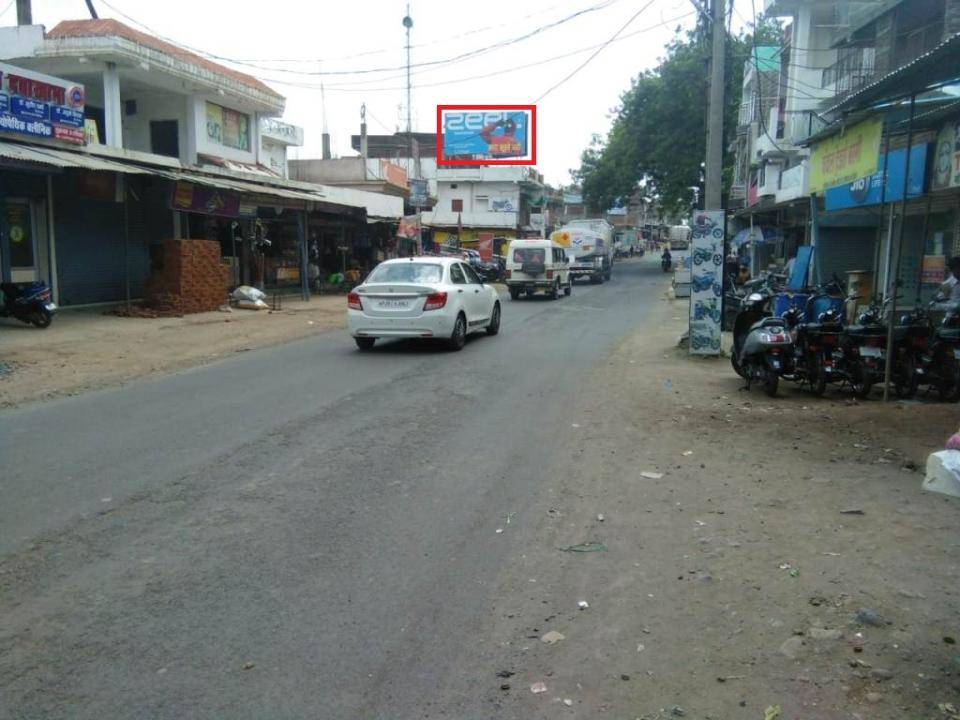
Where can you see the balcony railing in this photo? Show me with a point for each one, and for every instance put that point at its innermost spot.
(852, 70)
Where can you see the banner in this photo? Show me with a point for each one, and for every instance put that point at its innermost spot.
(188, 197)
(41, 106)
(868, 190)
(485, 135)
(706, 282)
(843, 158)
(228, 127)
(409, 227)
(934, 269)
(946, 161)
(419, 194)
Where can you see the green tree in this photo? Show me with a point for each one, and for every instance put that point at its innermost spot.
(658, 136)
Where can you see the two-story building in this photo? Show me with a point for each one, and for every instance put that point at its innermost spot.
(113, 140)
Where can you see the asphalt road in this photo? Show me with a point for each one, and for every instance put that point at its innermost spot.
(301, 531)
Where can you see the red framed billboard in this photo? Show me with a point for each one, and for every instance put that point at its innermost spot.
(472, 135)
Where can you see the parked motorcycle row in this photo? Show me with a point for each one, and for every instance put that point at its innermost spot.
(809, 343)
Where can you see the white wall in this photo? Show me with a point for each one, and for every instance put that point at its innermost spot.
(153, 106)
(476, 196)
(273, 155)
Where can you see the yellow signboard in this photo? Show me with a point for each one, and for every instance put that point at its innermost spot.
(841, 159)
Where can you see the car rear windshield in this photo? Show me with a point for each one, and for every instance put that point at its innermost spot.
(529, 255)
(414, 272)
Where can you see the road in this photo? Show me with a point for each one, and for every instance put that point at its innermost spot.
(301, 531)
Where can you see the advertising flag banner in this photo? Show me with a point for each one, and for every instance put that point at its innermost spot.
(706, 282)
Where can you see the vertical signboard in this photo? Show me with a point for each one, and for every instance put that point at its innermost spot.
(706, 282)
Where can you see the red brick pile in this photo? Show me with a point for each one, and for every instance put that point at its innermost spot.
(192, 279)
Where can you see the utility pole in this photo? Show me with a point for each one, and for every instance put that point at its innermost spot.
(714, 169)
(24, 12)
(408, 23)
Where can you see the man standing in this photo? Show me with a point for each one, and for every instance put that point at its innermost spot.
(950, 289)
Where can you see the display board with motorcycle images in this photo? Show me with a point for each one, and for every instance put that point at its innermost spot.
(706, 282)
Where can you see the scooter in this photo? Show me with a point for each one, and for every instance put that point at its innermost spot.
(28, 302)
(762, 347)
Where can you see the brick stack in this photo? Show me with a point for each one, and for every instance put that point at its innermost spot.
(192, 279)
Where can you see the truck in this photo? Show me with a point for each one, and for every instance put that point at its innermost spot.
(589, 246)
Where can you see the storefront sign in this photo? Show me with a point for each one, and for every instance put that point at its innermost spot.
(228, 127)
(40, 105)
(419, 194)
(706, 282)
(188, 197)
(485, 246)
(281, 132)
(946, 161)
(844, 158)
(868, 190)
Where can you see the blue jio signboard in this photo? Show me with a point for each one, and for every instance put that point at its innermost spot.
(867, 191)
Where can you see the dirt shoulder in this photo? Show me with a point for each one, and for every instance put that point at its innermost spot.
(85, 349)
(733, 582)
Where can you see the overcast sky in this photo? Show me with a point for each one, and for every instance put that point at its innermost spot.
(368, 35)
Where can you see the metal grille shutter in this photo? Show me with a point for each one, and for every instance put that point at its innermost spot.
(843, 249)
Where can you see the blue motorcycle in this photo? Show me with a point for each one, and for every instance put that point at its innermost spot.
(28, 302)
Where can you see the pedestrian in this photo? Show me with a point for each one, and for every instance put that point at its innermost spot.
(950, 289)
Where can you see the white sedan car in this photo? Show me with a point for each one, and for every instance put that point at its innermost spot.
(422, 297)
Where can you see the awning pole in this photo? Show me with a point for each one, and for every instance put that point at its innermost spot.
(126, 239)
(893, 281)
(883, 201)
(302, 237)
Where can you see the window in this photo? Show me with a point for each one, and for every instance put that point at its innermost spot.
(164, 138)
(471, 275)
(456, 275)
(456, 205)
(453, 186)
(416, 272)
(534, 256)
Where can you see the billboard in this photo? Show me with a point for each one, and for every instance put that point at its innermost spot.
(41, 106)
(868, 190)
(946, 163)
(486, 135)
(706, 282)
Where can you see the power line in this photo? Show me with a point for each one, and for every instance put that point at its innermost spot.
(595, 53)
(366, 71)
(512, 68)
(7, 8)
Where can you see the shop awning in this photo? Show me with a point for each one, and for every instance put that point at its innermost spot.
(65, 159)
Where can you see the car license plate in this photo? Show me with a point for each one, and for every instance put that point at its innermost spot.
(393, 304)
(50, 306)
(871, 352)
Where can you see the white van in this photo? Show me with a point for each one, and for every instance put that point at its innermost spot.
(537, 264)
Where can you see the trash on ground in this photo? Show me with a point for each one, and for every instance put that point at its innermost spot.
(538, 688)
(677, 711)
(852, 511)
(650, 475)
(687, 453)
(504, 686)
(505, 673)
(574, 425)
(499, 530)
(248, 666)
(553, 637)
(641, 647)
(600, 517)
(586, 547)
(568, 702)
(865, 616)
(794, 573)
(772, 712)
(943, 473)
(583, 605)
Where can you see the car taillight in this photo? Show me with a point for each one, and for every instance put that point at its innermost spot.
(549, 274)
(509, 273)
(435, 301)
(353, 301)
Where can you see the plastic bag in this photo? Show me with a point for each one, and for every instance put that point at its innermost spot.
(250, 294)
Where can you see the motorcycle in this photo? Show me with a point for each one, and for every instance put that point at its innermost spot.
(937, 363)
(666, 264)
(864, 349)
(817, 358)
(28, 302)
(762, 347)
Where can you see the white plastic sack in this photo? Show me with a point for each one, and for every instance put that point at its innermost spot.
(252, 304)
(943, 473)
(245, 292)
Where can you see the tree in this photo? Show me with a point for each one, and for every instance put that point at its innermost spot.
(658, 136)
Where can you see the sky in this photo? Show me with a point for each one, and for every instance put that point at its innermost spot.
(362, 42)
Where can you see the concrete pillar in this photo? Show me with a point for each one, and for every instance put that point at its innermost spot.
(188, 146)
(112, 111)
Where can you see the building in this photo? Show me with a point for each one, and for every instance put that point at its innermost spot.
(113, 142)
(839, 160)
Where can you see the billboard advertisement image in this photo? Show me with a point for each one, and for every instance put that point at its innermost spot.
(486, 135)
(706, 282)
